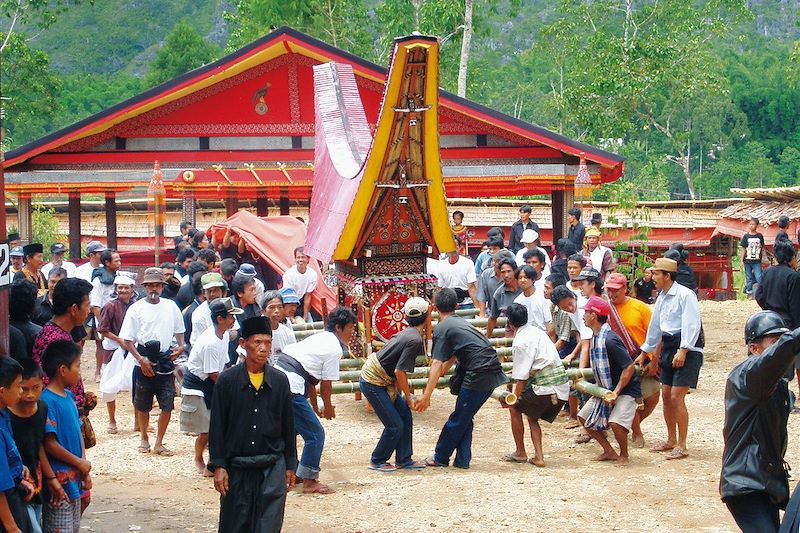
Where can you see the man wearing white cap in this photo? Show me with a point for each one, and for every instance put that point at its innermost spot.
(599, 256)
(118, 369)
(57, 252)
(17, 259)
(530, 241)
(384, 383)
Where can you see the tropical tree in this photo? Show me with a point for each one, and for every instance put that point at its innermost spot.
(184, 50)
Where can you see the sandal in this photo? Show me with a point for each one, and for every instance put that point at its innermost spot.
(413, 465)
(383, 467)
(572, 424)
(319, 488)
(534, 462)
(112, 430)
(676, 453)
(143, 449)
(582, 439)
(431, 462)
(164, 452)
(662, 446)
(511, 458)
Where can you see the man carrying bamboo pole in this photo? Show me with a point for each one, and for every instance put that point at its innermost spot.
(541, 384)
(383, 378)
(315, 360)
(477, 374)
(614, 370)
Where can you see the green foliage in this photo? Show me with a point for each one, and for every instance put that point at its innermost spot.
(39, 13)
(29, 90)
(184, 50)
(44, 228)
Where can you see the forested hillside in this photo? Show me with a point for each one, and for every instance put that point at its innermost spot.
(698, 96)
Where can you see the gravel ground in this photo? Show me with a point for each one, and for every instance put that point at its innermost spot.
(135, 492)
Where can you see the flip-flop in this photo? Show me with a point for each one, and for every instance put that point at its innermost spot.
(676, 453)
(662, 446)
(511, 458)
(164, 452)
(383, 467)
(143, 449)
(430, 462)
(532, 461)
(414, 465)
(112, 430)
(319, 489)
(572, 424)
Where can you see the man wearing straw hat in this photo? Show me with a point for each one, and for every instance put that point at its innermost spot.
(383, 378)
(541, 384)
(676, 325)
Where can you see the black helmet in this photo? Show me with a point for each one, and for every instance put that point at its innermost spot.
(763, 323)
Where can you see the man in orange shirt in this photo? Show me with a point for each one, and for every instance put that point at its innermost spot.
(635, 316)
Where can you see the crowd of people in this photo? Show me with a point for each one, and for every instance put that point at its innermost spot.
(216, 329)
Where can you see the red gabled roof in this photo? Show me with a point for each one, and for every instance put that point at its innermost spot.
(283, 41)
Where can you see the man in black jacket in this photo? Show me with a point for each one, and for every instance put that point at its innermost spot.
(524, 222)
(577, 232)
(754, 483)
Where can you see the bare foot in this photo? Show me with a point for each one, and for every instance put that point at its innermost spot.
(201, 467)
(313, 486)
(622, 461)
(606, 456)
(208, 473)
(537, 461)
(663, 446)
(144, 447)
(161, 450)
(638, 441)
(112, 429)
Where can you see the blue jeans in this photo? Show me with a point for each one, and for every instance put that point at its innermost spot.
(307, 425)
(752, 274)
(457, 431)
(754, 512)
(398, 425)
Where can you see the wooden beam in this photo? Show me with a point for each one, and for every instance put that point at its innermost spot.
(24, 217)
(262, 203)
(231, 203)
(284, 201)
(74, 215)
(111, 221)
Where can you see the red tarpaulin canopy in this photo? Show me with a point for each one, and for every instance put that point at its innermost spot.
(273, 240)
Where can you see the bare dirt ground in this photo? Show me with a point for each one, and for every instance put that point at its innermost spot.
(135, 492)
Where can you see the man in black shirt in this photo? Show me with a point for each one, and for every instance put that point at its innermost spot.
(252, 437)
(383, 377)
(524, 222)
(577, 231)
(477, 374)
(22, 304)
(645, 287)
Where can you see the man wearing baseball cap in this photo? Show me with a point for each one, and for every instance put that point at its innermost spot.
(754, 482)
(213, 288)
(206, 362)
(384, 383)
(57, 252)
(32, 270)
(290, 303)
(17, 259)
(94, 250)
(152, 325)
(600, 257)
(613, 369)
(676, 325)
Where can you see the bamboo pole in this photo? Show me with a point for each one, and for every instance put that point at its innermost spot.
(418, 372)
(504, 396)
(350, 387)
(587, 374)
(308, 326)
(593, 390)
(458, 312)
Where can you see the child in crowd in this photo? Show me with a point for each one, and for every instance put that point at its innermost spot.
(63, 440)
(28, 418)
(15, 485)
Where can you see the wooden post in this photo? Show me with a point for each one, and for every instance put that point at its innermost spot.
(4, 328)
(189, 206)
(561, 203)
(111, 220)
(231, 203)
(284, 201)
(262, 207)
(74, 225)
(24, 217)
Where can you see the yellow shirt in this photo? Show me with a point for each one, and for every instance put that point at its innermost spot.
(635, 315)
(256, 379)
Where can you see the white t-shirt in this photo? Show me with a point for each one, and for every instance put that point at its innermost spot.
(533, 350)
(539, 313)
(201, 321)
(66, 265)
(146, 321)
(457, 276)
(282, 337)
(208, 355)
(301, 283)
(85, 271)
(577, 320)
(101, 294)
(319, 354)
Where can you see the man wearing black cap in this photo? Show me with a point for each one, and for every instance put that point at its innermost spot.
(251, 446)
(94, 250)
(205, 364)
(13, 239)
(33, 262)
(57, 252)
(754, 482)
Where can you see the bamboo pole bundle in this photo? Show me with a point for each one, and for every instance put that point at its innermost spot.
(349, 387)
(419, 372)
(458, 312)
(588, 375)
(319, 326)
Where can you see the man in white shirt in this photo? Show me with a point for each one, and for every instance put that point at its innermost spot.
(306, 363)
(206, 362)
(213, 288)
(457, 272)
(94, 250)
(151, 325)
(530, 238)
(282, 334)
(676, 325)
(538, 309)
(57, 252)
(102, 293)
(535, 360)
(302, 279)
(600, 257)
(540, 263)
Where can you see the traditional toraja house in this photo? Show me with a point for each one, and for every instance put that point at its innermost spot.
(766, 204)
(243, 128)
(378, 210)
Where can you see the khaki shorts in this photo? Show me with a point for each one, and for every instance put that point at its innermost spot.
(622, 413)
(195, 416)
(650, 386)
